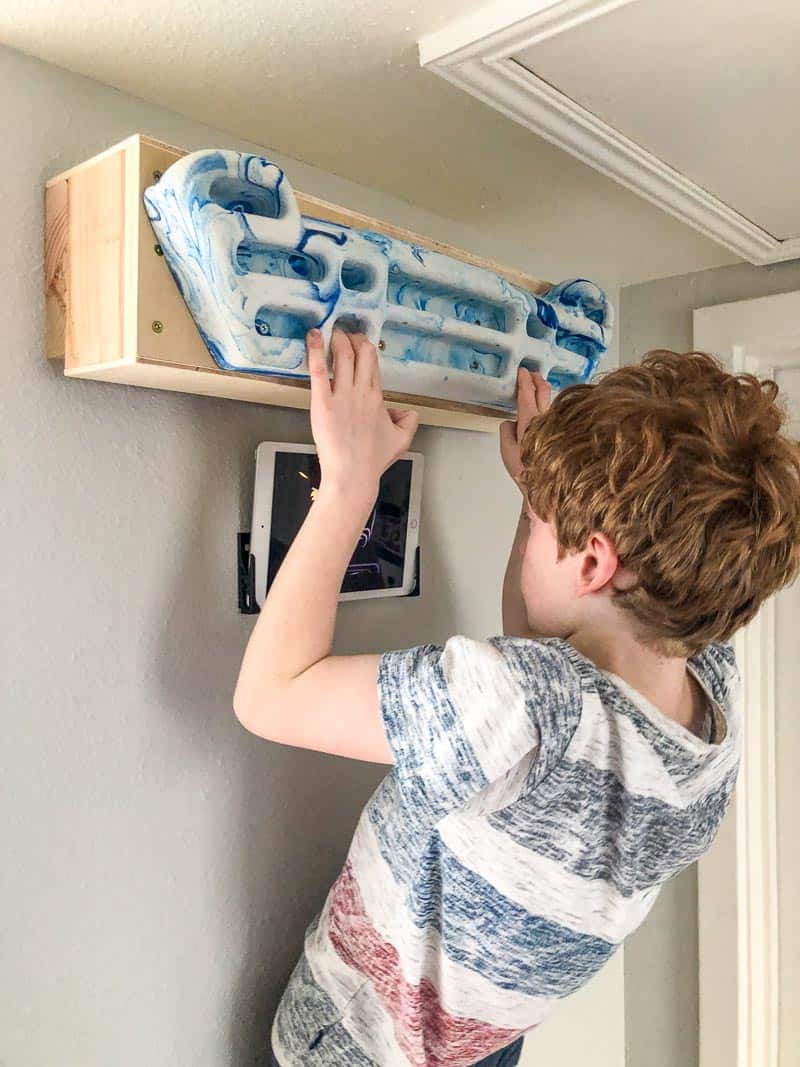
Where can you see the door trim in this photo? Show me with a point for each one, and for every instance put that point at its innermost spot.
(738, 876)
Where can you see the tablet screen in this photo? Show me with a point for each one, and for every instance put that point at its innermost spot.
(378, 560)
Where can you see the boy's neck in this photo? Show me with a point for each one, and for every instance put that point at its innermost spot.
(663, 680)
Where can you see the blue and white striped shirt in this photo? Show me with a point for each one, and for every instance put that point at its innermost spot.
(535, 807)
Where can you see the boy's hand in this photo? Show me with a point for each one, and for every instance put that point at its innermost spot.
(356, 435)
(533, 398)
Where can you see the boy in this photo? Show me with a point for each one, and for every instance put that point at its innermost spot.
(545, 783)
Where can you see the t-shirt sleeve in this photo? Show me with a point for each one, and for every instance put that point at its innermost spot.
(458, 716)
(722, 672)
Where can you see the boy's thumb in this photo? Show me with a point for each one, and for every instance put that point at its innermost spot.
(407, 421)
(508, 433)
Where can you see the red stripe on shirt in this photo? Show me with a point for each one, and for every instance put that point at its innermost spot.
(428, 1035)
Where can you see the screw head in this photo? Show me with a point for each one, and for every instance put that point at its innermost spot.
(156, 175)
(158, 250)
(157, 325)
(381, 344)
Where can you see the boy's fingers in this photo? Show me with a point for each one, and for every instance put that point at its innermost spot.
(543, 391)
(343, 359)
(317, 364)
(540, 389)
(526, 397)
(536, 391)
(366, 368)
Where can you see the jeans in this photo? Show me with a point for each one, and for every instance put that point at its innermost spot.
(504, 1057)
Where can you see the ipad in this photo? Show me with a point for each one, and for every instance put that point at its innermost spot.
(382, 564)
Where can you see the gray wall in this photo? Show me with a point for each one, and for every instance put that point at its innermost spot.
(159, 863)
(661, 967)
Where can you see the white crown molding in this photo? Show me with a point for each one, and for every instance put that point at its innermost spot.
(475, 54)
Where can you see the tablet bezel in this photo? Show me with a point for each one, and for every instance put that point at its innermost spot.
(261, 522)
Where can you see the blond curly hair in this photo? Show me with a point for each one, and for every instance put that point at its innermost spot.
(684, 467)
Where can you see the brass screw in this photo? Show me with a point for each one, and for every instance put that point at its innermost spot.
(381, 344)
(159, 250)
(157, 325)
(156, 175)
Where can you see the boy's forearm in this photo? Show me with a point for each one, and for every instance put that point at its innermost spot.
(515, 619)
(295, 627)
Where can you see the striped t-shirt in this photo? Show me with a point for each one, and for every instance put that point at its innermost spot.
(534, 809)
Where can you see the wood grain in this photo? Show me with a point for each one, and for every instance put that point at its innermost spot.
(95, 305)
(56, 264)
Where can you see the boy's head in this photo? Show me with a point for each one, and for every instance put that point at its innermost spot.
(663, 498)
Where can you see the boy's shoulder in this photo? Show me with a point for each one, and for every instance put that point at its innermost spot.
(547, 672)
(717, 666)
(718, 660)
(543, 668)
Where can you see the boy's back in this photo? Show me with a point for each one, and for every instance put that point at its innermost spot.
(535, 806)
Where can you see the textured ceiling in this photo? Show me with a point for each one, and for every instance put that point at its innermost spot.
(347, 94)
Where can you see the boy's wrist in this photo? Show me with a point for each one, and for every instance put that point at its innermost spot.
(354, 496)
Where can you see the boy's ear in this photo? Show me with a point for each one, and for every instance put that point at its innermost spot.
(600, 565)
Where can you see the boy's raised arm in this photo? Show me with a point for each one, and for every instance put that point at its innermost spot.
(515, 619)
(534, 394)
(290, 688)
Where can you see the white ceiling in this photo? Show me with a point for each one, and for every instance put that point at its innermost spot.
(712, 88)
(346, 93)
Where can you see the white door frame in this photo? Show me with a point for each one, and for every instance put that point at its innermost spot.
(737, 878)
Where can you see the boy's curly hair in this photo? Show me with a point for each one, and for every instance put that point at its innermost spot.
(683, 466)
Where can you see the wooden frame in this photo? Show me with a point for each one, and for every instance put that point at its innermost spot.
(738, 877)
(115, 314)
(476, 53)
